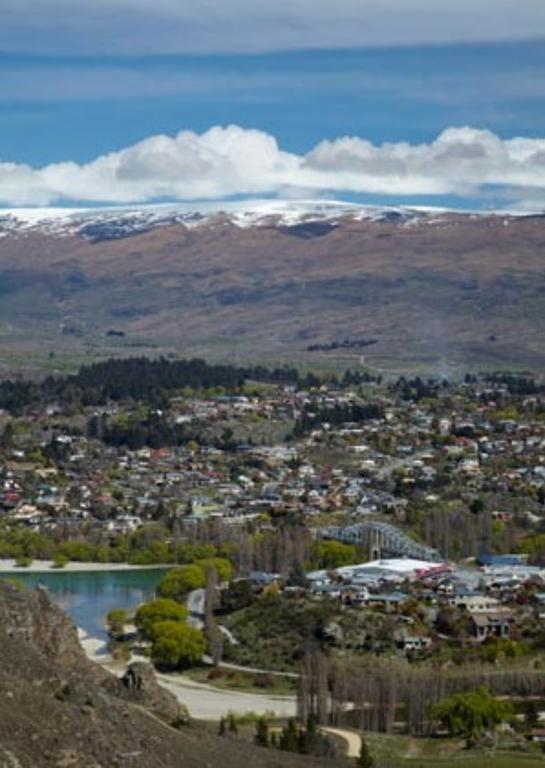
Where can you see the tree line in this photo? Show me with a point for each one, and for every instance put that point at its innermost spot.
(138, 378)
(377, 693)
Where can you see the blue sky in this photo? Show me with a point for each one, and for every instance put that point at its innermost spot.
(402, 84)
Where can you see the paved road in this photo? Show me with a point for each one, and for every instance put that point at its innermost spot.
(352, 739)
(207, 703)
(228, 634)
(252, 670)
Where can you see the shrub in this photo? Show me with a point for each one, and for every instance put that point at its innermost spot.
(23, 562)
(116, 620)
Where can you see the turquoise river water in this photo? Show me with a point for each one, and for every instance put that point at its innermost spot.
(88, 596)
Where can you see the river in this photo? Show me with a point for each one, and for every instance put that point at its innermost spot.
(89, 596)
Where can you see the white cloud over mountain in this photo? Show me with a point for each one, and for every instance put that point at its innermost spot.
(142, 27)
(229, 161)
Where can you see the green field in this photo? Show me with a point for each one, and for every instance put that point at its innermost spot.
(405, 752)
(496, 760)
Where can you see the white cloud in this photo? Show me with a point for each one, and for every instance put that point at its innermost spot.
(227, 161)
(203, 26)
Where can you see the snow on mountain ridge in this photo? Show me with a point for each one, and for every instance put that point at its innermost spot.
(123, 221)
(119, 222)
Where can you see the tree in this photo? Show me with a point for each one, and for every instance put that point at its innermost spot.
(289, 739)
(471, 713)
(531, 715)
(174, 644)
(6, 438)
(232, 722)
(221, 565)
(178, 582)
(238, 595)
(450, 621)
(262, 733)
(476, 506)
(212, 632)
(365, 759)
(160, 610)
(334, 554)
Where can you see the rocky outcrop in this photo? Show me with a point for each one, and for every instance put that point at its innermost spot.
(32, 617)
(140, 686)
(60, 710)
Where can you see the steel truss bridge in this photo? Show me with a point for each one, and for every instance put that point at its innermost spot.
(382, 540)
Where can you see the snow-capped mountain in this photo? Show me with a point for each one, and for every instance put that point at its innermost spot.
(118, 222)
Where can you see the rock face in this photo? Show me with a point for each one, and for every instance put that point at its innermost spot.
(31, 617)
(139, 685)
(60, 710)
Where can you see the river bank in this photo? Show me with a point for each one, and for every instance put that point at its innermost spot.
(96, 648)
(46, 566)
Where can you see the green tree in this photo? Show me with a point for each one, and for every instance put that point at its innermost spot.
(160, 610)
(476, 506)
(297, 576)
(365, 759)
(177, 583)
(334, 554)
(262, 733)
(289, 738)
(175, 645)
(223, 567)
(232, 720)
(471, 713)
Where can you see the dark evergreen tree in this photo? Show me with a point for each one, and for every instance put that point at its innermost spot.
(289, 737)
(262, 733)
(365, 759)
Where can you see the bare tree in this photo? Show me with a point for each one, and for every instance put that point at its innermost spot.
(211, 629)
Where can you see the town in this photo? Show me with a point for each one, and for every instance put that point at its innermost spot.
(369, 528)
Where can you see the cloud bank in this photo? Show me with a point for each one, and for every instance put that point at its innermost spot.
(209, 26)
(229, 161)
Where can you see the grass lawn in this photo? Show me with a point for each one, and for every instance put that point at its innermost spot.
(405, 752)
(478, 760)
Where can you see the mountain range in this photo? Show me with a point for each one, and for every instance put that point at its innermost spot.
(318, 282)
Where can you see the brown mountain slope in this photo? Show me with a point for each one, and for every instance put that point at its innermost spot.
(59, 709)
(453, 290)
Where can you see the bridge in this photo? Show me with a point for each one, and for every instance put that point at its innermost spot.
(382, 540)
